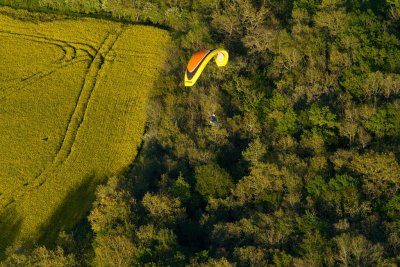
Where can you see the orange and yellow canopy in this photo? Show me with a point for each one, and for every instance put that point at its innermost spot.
(199, 61)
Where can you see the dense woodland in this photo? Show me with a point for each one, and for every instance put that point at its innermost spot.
(304, 167)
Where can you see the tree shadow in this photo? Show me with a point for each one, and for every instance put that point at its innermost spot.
(70, 212)
(145, 169)
(10, 225)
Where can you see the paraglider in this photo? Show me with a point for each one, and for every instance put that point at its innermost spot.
(199, 60)
(213, 120)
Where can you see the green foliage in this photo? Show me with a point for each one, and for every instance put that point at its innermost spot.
(321, 117)
(113, 250)
(254, 152)
(267, 187)
(204, 5)
(392, 208)
(380, 174)
(315, 249)
(282, 259)
(250, 256)
(223, 262)
(278, 102)
(317, 186)
(376, 50)
(288, 124)
(320, 120)
(181, 189)
(357, 250)
(156, 246)
(212, 181)
(385, 122)
(353, 80)
(338, 197)
(310, 6)
(43, 257)
(111, 212)
(162, 209)
(310, 222)
(396, 3)
(379, 123)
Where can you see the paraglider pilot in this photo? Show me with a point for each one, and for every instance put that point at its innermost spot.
(213, 120)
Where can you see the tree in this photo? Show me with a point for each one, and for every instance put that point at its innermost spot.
(222, 262)
(337, 198)
(380, 174)
(322, 121)
(235, 18)
(162, 210)
(384, 122)
(332, 16)
(379, 123)
(157, 246)
(314, 249)
(212, 181)
(181, 189)
(392, 231)
(112, 210)
(113, 250)
(268, 186)
(392, 208)
(394, 9)
(310, 6)
(112, 221)
(356, 250)
(282, 259)
(41, 256)
(254, 152)
(250, 256)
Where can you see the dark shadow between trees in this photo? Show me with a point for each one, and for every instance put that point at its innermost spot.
(147, 165)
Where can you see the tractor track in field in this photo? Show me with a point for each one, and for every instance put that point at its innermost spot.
(88, 87)
(24, 82)
(89, 49)
(97, 63)
(70, 56)
(60, 44)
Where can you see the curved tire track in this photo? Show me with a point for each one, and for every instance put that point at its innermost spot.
(89, 49)
(89, 85)
(90, 81)
(17, 87)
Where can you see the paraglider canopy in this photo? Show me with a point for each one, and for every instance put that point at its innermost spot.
(199, 61)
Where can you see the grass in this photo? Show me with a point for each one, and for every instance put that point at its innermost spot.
(73, 97)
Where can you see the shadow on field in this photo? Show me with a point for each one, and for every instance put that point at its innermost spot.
(10, 225)
(72, 209)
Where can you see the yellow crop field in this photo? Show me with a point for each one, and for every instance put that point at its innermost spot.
(73, 97)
